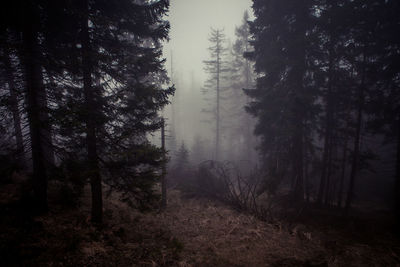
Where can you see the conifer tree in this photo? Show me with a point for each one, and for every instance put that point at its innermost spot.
(283, 98)
(215, 85)
(241, 78)
(93, 72)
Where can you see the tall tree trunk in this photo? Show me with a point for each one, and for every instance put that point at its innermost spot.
(342, 175)
(329, 172)
(164, 168)
(14, 104)
(90, 115)
(46, 134)
(217, 132)
(298, 163)
(300, 106)
(35, 90)
(356, 149)
(334, 183)
(249, 131)
(328, 129)
(306, 175)
(397, 179)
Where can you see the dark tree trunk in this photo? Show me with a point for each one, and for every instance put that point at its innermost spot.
(325, 159)
(217, 131)
(356, 149)
(355, 162)
(90, 115)
(334, 183)
(328, 130)
(397, 179)
(298, 164)
(249, 131)
(328, 174)
(342, 175)
(14, 104)
(35, 90)
(306, 176)
(46, 130)
(164, 169)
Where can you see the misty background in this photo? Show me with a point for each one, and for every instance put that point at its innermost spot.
(187, 124)
(191, 23)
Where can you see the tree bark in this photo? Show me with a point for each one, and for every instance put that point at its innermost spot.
(35, 90)
(356, 149)
(306, 175)
(328, 130)
(46, 130)
(298, 163)
(90, 121)
(164, 169)
(397, 178)
(343, 172)
(217, 133)
(329, 172)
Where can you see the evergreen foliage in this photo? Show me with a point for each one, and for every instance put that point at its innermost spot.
(325, 70)
(215, 86)
(241, 77)
(94, 81)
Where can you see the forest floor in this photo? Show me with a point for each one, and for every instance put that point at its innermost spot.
(190, 232)
(213, 234)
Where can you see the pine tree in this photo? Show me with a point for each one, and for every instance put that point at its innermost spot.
(99, 64)
(214, 86)
(284, 98)
(241, 78)
(36, 101)
(13, 99)
(182, 158)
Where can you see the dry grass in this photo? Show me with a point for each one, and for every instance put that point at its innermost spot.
(190, 232)
(215, 235)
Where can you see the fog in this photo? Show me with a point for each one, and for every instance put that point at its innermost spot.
(191, 23)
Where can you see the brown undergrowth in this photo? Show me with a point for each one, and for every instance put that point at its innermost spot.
(215, 235)
(65, 237)
(190, 232)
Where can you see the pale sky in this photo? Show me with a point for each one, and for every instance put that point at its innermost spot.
(191, 21)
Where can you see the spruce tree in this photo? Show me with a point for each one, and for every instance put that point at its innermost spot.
(241, 79)
(284, 97)
(93, 72)
(215, 85)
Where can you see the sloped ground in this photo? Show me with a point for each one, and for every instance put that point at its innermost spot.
(215, 235)
(190, 232)
(65, 237)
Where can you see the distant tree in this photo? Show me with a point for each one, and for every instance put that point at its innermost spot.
(216, 68)
(182, 158)
(180, 166)
(198, 150)
(241, 78)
